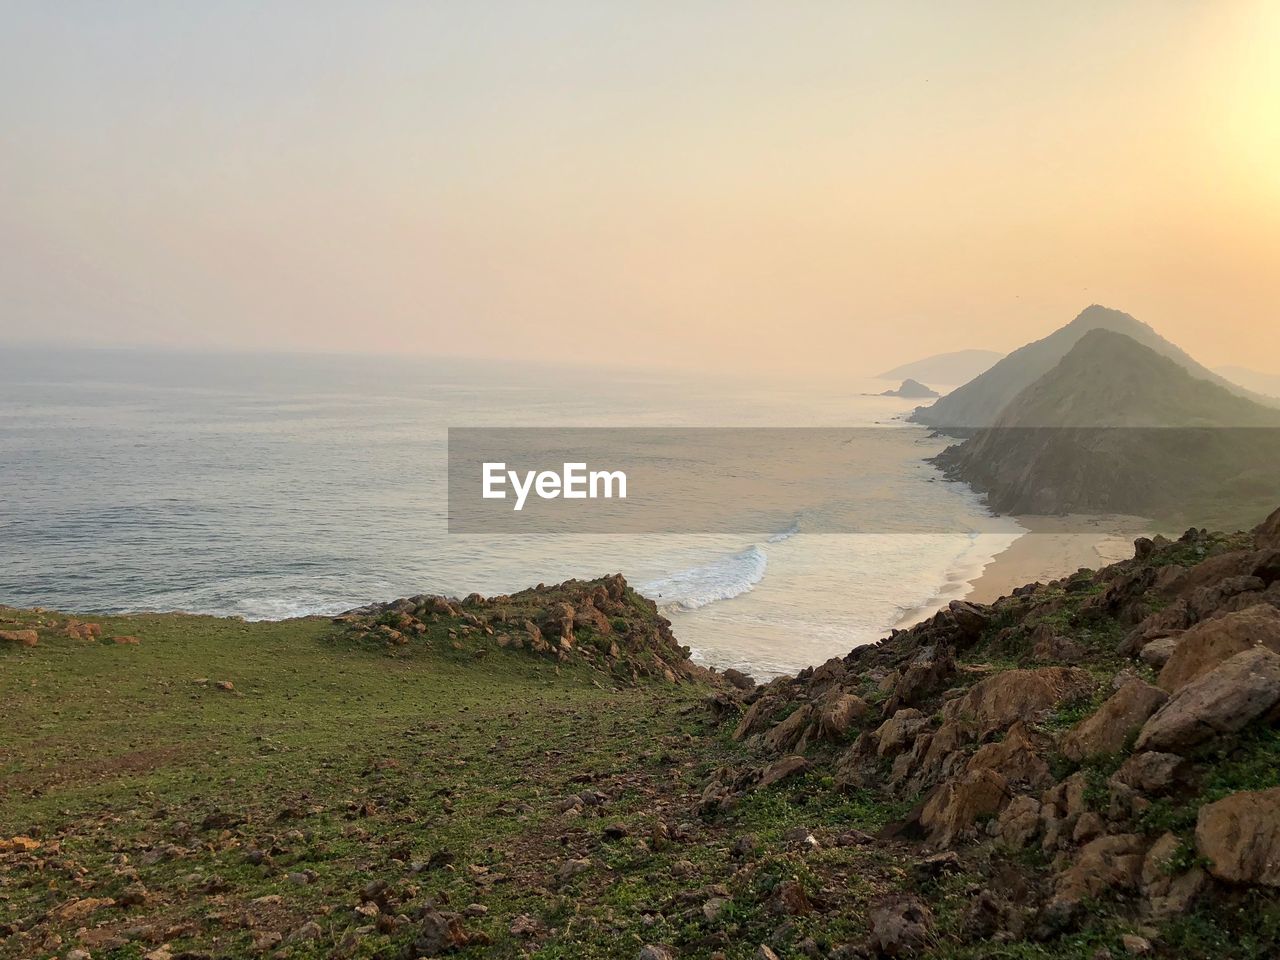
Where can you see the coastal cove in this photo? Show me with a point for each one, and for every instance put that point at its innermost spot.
(273, 487)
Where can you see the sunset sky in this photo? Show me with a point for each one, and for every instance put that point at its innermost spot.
(792, 186)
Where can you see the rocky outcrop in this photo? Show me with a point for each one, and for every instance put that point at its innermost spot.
(1211, 642)
(1240, 837)
(1109, 729)
(602, 623)
(1225, 700)
(1013, 695)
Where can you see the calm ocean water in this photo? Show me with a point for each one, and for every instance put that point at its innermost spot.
(277, 486)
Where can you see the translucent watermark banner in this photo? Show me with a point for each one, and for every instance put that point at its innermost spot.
(883, 479)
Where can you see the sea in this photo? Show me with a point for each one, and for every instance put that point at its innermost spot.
(267, 486)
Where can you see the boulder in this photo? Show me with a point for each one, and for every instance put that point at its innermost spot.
(1240, 837)
(1224, 700)
(1108, 729)
(1019, 822)
(781, 770)
(789, 734)
(28, 638)
(1210, 642)
(899, 730)
(1167, 892)
(1267, 534)
(739, 679)
(1157, 653)
(999, 700)
(960, 802)
(1015, 758)
(838, 712)
(902, 927)
(1151, 772)
(1112, 863)
(438, 933)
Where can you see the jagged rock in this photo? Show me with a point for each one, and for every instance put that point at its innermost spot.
(1150, 772)
(1167, 893)
(1107, 863)
(1267, 533)
(782, 769)
(929, 671)
(739, 679)
(1049, 646)
(1108, 729)
(655, 951)
(902, 927)
(789, 899)
(838, 712)
(438, 932)
(1019, 822)
(1015, 758)
(756, 718)
(1157, 653)
(900, 729)
(1224, 700)
(999, 700)
(791, 733)
(1240, 837)
(959, 803)
(1211, 642)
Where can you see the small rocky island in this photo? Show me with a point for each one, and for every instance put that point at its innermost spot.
(912, 389)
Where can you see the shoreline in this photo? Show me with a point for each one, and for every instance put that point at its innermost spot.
(1056, 547)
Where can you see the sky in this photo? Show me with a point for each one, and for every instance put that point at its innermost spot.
(807, 188)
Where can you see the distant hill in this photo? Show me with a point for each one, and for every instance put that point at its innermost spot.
(913, 389)
(948, 368)
(1115, 427)
(1267, 384)
(980, 402)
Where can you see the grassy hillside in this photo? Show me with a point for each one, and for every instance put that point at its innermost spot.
(352, 789)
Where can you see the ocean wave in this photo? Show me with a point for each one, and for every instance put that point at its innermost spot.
(788, 533)
(723, 579)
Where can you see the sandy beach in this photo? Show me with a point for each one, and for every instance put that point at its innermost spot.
(1054, 547)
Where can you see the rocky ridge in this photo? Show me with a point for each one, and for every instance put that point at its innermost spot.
(1109, 738)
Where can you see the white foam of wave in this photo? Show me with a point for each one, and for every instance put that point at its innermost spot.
(722, 579)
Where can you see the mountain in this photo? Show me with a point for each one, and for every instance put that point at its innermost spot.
(1115, 427)
(958, 367)
(1267, 384)
(979, 402)
(913, 389)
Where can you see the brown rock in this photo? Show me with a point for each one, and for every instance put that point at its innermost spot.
(1168, 894)
(1157, 653)
(1105, 864)
(438, 933)
(1019, 821)
(739, 679)
(899, 730)
(838, 712)
(790, 899)
(1015, 758)
(1108, 729)
(1267, 534)
(958, 804)
(1150, 772)
(999, 700)
(1240, 837)
(126, 640)
(789, 734)
(1212, 642)
(902, 927)
(1224, 700)
(28, 638)
(780, 770)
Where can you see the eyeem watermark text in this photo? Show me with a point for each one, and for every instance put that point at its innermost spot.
(574, 482)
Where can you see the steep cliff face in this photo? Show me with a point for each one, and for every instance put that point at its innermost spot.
(1117, 428)
(980, 402)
